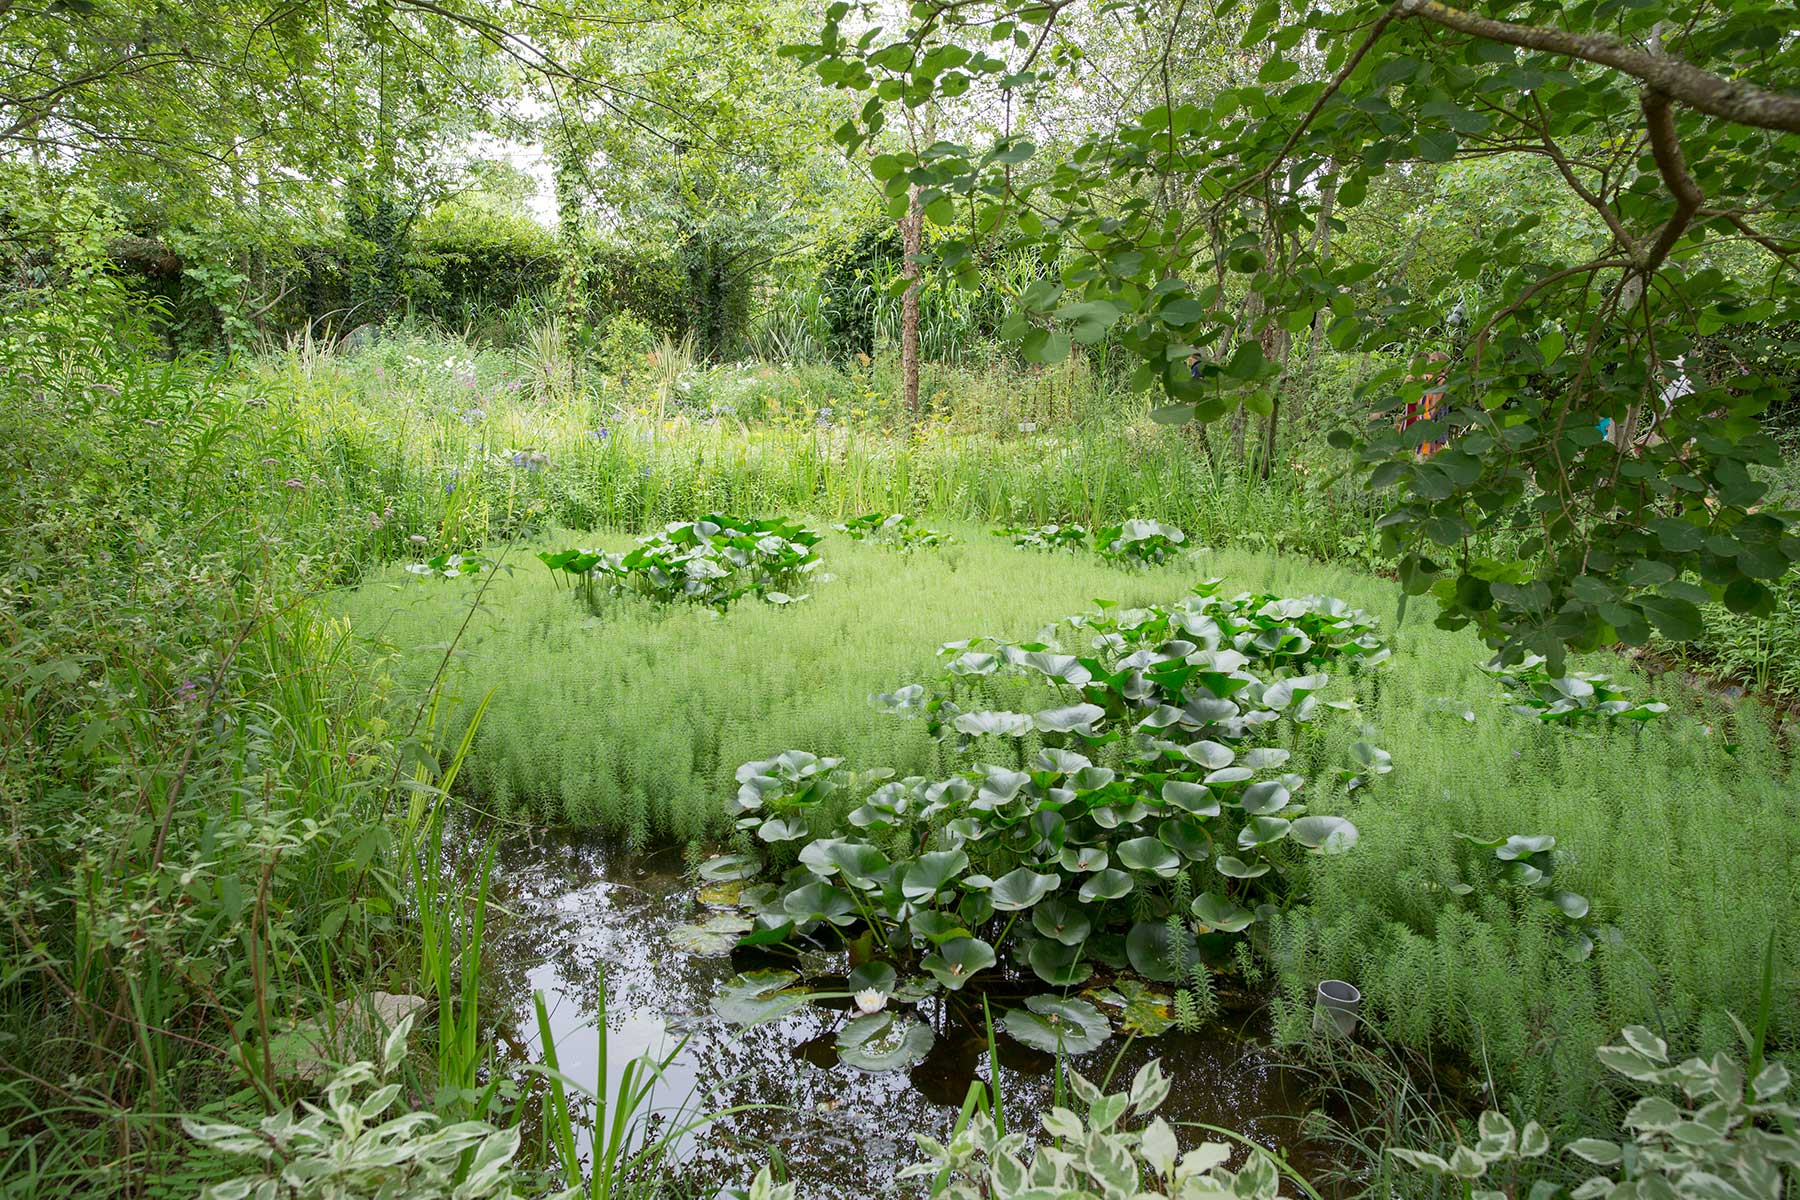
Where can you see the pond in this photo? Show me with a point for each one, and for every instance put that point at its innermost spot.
(575, 906)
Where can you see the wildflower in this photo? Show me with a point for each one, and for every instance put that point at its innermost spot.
(530, 460)
(188, 692)
(375, 521)
(418, 539)
(870, 1000)
(418, 569)
(294, 485)
(474, 416)
(1027, 426)
(271, 462)
(450, 484)
(380, 372)
(600, 434)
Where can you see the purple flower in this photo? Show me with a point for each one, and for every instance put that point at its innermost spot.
(187, 692)
(600, 434)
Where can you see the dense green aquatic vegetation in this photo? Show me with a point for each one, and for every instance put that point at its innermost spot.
(637, 719)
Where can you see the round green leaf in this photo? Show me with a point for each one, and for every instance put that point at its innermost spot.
(1021, 888)
(884, 1041)
(955, 962)
(1053, 1024)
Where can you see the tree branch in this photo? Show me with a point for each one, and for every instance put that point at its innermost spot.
(1665, 147)
(1742, 103)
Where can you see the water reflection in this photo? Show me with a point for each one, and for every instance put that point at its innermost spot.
(574, 906)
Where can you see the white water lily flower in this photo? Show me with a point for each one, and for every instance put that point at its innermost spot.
(871, 1000)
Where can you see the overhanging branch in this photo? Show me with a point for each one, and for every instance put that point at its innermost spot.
(1682, 82)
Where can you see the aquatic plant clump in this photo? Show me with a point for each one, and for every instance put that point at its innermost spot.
(1156, 823)
(714, 561)
(896, 529)
(1574, 700)
(1045, 537)
(1140, 543)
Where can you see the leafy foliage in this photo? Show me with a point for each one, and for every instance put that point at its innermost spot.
(1528, 863)
(1140, 543)
(1731, 1133)
(1591, 469)
(1158, 763)
(1099, 1157)
(714, 560)
(901, 530)
(316, 1152)
(1572, 700)
(1045, 537)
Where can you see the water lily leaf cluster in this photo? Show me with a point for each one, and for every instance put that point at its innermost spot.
(1569, 701)
(449, 566)
(900, 530)
(1528, 862)
(1045, 537)
(714, 560)
(1157, 790)
(1140, 543)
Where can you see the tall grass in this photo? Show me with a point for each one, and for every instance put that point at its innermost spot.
(428, 430)
(633, 1142)
(196, 765)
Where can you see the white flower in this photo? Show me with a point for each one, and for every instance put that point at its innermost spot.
(418, 568)
(871, 1000)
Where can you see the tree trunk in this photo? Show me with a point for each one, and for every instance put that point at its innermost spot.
(912, 239)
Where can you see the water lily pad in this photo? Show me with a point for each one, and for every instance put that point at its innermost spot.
(1187, 836)
(819, 902)
(878, 976)
(936, 927)
(926, 875)
(1109, 884)
(1236, 868)
(729, 867)
(716, 935)
(1148, 854)
(1050, 1023)
(1216, 912)
(1211, 755)
(1193, 797)
(1084, 858)
(1076, 718)
(1062, 921)
(1261, 831)
(753, 997)
(1021, 888)
(1324, 835)
(1057, 964)
(1141, 1010)
(1264, 799)
(884, 1041)
(1150, 950)
(721, 895)
(955, 962)
(1004, 724)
